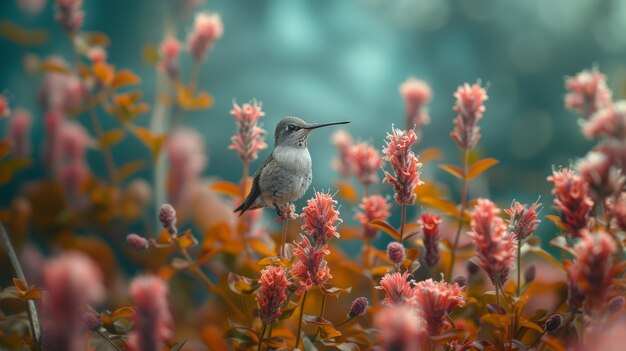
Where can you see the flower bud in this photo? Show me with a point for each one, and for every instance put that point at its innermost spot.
(553, 322)
(137, 241)
(167, 216)
(616, 304)
(395, 252)
(359, 305)
(529, 273)
(91, 321)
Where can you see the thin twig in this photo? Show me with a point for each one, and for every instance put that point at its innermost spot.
(300, 319)
(402, 220)
(108, 340)
(461, 213)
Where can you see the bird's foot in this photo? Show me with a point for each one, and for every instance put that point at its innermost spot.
(278, 211)
(285, 212)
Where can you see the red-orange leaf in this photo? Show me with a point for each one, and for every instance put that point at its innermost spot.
(129, 169)
(446, 206)
(430, 154)
(452, 169)
(480, 166)
(227, 188)
(386, 227)
(124, 77)
(347, 191)
(110, 138)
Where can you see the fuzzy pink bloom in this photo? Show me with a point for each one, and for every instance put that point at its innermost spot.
(73, 175)
(59, 91)
(310, 267)
(609, 122)
(495, 248)
(137, 242)
(366, 161)
(396, 252)
(400, 329)
(250, 138)
(404, 164)
(208, 28)
(571, 198)
(167, 217)
(523, 220)
(321, 218)
(587, 92)
(69, 14)
(619, 211)
(397, 288)
(470, 106)
(598, 171)
(430, 226)
(71, 280)
(97, 54)
(31, 7)
(373, 207)
(343, 142)
(73, 140)
(416, 94)
(170, 49)
(185, 150)
(271, 294)
(593, 270)
(19, 133)
(152, 318)
(434, 301)
(287, 211)
(5, 111)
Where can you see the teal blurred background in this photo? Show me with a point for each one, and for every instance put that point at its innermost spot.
(330, 60)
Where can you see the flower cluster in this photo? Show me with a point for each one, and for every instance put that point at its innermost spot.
(397, 287)
(430, 227)
(271, 294)
(404, 164)
(69, 14)
(400, 329)
(208, 28)
(572, 200)
(373, 207)
(523, 220)
(470, 108)
(608, 122)
(495, 248)
(310, 268)
(320, 218)
(169, 50)
(435, 300)
(587, 92)
(416, 94)
(343, 142)
(250, 137)
(598, 171)
(366, 161)
(151, 317)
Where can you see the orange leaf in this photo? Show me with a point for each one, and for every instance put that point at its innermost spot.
(150, 54)
(386, 227)
(480, 166)
(154, 142)
(446, 206)
(19, 284)
(22, 36)
(347, 191)
(556, 220)
(227, 188)
(259, 246)
(110, 138)
(124, 77)
(103, 72)
(129, 169)
(430, 154)
(186, 240)
(49, 65)
(97, 39)
(452, 169)
(188, 101)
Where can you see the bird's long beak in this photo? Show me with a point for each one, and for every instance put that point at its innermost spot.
(315, 126)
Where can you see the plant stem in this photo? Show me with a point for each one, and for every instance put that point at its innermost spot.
(261, 336)
(284, 238)
(106, 152)
(321, 313)
(108, 340)
(497, 296)
(344, 322)
(403, 219)
(461, 213)
(519, 265)
(366, 190)
(33, 319)
(300, 319)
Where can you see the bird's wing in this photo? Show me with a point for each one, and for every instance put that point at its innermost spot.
(255, 192)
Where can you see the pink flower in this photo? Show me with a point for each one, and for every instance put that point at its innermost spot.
(587, 92)
(416, 94)
(137, 242)
(152, 318)
(271, 294)
(434, 301)
(404, 164)
(495, 248)
(397, 288)
(373, 207)
(5, 111)
(310, 268)
(470, 108)
(365, 161)
(61, 91)
(73, 176)
(400, 329)
(609, 122)
(395, 252)
(69, 14)
(208, 28)
(51, 149)
(97, 54)
(523, 220)
(343, 142)
(18, 133)
(571, 198)
(170, 49)
(619, 211)
(167, 217)
(185, 150)
(250, 138)
(71, 280)
(598, 171)
(430, 226)
(321, 218)
(593, 270)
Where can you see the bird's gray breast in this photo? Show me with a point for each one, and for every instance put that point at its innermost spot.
(288, 176)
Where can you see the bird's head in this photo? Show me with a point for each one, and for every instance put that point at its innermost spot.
(293, 131)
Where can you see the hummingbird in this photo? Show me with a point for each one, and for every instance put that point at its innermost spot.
(287, 173)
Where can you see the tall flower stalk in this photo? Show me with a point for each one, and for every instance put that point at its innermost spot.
(522, 224)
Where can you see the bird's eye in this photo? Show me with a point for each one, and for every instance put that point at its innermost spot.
(293, 128)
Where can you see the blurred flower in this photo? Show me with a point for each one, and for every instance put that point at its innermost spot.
(358, 307)
(73, 175)
(151, 315)
(73, 140)
(416, 94)
(553, 322)
(470, 108)
(343, 142)
(434, 301)
(604, 180)
(404, 164)
(61, 91)
(587, 92)
(395, 252)
(170, 49)
(69, 14)
(529, 273)
(523, 220)
(495, 248)
(250, 138)
(593, 270)
(52, 123)
(91, 321)
(461, 281)
(397, 288)
(619, 211)
(19, 133)
(167, 217)
(185, 151)
(430, 227)
(400, 329)
(5, 111)
(271, 294)
(71, 280)
(137, 241)
(208, 28)
(310, 268)
(365, 161)
(609, 122)
(97, 54)
(320, 218)
(373, 207)
(31, 7)
(571, 198)
(575, 296)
